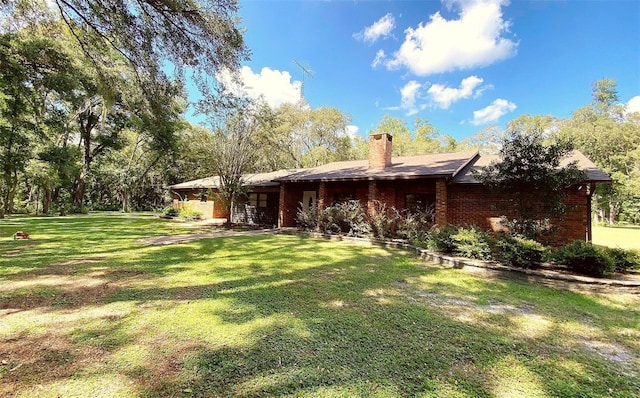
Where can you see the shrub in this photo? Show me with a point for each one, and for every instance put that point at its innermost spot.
(440, 239)
(472, 243)
(189, 213)
(384, 221)
(170, 211)
(517, 251)
(415, 226)
(347, 217)
(623, 260)
(307, 220)
(584, 258)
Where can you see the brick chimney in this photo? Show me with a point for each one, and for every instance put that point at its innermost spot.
(379, 150)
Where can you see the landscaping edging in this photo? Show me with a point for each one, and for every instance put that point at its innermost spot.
(459, 262)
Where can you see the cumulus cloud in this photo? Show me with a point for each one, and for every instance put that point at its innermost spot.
(633, 105)
(381, 28)
(270, 85)
(475, 39)
(493, 112)
(378, 59)
(409, 95)
(351, 131)
(444, 96)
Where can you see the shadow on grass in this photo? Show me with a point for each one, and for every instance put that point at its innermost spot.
(276, 315)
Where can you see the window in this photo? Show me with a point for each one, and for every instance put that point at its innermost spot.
(415, 202)
(203, 197)
(343, 197)
(258, 199)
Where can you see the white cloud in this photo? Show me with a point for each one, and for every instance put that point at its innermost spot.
(409, 94)
(441, 45)
(381, 28)
(633, 105)
(444, 96)
(378, 59)
(271, 85)
(492, 112)
(351, 131)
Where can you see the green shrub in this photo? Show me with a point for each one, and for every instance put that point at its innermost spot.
(384, 221)
(347, 217)
(517, 251)
(307, 220)
(170, 211)
(189, 213)
(440, 239)
(584, 258)
(415, 226)
(472, 243)
(624, 260)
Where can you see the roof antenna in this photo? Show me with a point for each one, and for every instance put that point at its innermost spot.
(305, 71)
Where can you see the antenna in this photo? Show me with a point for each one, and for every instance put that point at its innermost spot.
(305, 71)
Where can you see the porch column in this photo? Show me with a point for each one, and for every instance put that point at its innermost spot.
(282, 205)
(371, 200)
(322, 193)
(441, 202)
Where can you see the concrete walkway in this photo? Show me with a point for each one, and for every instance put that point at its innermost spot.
(171, 239)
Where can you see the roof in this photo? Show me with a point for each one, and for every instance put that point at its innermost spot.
(594, 174)
(406, 167)
(254, 180)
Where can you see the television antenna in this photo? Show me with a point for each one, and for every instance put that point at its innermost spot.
(305, 71)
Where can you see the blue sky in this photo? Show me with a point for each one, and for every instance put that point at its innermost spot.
(462, 64)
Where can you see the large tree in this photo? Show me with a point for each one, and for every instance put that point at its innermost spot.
(610, 136)
(529, 172)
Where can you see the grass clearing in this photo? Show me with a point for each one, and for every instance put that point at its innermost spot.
(87, 310)
(627, 237)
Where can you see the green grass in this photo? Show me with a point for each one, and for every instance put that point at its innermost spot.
(627, 237)
(87, 310)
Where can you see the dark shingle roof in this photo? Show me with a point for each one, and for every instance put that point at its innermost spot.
(404, 167)
(254, 180)
(594, 174)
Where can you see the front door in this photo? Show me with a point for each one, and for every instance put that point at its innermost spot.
(308, 200)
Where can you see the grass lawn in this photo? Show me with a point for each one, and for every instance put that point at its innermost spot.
(627, 237)
(87, 310)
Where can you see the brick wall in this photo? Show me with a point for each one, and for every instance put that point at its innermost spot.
(475, 205)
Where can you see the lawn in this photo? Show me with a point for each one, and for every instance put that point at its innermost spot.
(626, 237)
(87, 310)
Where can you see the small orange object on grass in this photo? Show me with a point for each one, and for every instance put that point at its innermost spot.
(20, 235)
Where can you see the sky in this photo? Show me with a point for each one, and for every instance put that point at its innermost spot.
(463, 65)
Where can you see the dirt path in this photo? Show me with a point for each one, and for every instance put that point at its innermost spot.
(171, 239)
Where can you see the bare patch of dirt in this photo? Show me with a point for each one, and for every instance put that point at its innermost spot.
(19, 250)
(45, 358)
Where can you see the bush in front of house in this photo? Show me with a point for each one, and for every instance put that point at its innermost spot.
(384, 221)
(307, 219)
(585, 258)
(440, 239)
(170, 211)
(472, 243)
(344, 218)
(189, 213)
(415, 226)
(517, 251)
(624, 260)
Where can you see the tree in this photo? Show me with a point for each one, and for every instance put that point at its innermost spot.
(610, 137)
(296, 135)
(425, 138)
(202, 35)
(235, 137)
(530, 168)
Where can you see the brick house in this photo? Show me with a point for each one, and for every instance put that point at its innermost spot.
(444, 181)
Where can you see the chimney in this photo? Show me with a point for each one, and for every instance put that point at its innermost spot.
(379, 150)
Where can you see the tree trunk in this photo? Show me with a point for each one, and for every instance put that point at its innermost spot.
(46, 201)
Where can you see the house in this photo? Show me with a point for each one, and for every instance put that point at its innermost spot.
(444, 181)
(259, 206)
